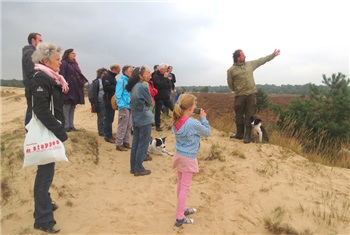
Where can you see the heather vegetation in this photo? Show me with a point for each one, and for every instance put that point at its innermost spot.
(320, 121)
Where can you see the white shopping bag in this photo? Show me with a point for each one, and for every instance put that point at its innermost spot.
(41, 146)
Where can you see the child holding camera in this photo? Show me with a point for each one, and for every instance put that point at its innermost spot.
(187, 132)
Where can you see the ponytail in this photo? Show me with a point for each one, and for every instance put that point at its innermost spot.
(184, 102)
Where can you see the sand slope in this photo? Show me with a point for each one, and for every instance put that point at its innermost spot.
(251, 186)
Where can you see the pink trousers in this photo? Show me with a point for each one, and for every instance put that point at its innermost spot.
(183, 187)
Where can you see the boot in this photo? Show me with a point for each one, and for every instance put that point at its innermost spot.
(240, 132)
(247, 135)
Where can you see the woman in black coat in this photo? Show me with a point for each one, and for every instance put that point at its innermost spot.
(47, 85)
(70, 70)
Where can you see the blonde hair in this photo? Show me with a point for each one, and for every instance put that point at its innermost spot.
(184, 102)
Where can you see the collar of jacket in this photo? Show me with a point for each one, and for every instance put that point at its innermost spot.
(114, 74)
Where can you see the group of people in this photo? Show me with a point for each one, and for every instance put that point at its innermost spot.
(49, 78)
(161, 85)
(68, 68)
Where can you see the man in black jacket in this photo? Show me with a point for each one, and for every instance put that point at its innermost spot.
(109, 83)
(28, 69)
(163, 84)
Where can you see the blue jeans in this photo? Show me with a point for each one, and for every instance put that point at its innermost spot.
(42, 201)
(140, 143)
(109, 118)
(159, 104)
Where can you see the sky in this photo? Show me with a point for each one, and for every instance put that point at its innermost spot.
(196, 37)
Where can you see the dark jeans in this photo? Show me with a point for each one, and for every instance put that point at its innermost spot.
(245, 107)
(29, 108)
(109, 118)
(140, 143)
(159, 104)
(28, 115)
(100, 118)
(42, 201)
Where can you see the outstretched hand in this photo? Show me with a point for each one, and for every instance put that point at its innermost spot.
(276, 52)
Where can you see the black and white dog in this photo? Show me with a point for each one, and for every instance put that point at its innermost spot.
(258, 129)
(157, 146)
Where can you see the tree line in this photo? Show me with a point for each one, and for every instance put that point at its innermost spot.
(268, 89)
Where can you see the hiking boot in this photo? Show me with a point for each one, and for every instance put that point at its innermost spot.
(247, 135)
(240, 132)
(127, 145)
(185, 220)
(159, 129)
(121, 148)
(54, 206)
(148, 158)
(141, 173)
(110, 140)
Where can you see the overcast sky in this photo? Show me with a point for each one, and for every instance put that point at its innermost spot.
(196, 37)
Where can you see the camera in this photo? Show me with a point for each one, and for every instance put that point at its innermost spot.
(197, 111)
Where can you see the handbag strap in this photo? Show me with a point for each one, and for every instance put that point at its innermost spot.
(51, 102)
(52, 107)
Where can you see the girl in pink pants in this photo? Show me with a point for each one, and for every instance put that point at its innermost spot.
(187, 132)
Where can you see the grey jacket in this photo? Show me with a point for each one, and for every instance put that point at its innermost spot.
(140, 102)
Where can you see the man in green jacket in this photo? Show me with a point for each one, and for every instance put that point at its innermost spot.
(240, 79)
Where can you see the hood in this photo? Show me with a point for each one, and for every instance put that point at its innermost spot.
(28, 47)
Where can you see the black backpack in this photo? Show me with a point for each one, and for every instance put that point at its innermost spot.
(93, 92)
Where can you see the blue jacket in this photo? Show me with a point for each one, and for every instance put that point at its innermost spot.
(140, 101)
(188, 136)
(121, 94)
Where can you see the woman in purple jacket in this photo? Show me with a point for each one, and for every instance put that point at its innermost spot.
(70, 70)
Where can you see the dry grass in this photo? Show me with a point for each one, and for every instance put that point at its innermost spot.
(216, 152)
(330, 155)
(276, 225)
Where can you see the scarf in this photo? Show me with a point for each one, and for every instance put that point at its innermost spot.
(57, 77)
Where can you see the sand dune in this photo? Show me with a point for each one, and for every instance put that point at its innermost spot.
(240, 189)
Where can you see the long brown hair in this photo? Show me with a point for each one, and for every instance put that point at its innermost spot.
(184, 102)
(66, 53)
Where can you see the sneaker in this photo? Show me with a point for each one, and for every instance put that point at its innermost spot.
(185, 220)
(49, 227)
(121, 148)
(159, 129)
(132, 171)
(127, 145)
(141, 173)
(190, 211)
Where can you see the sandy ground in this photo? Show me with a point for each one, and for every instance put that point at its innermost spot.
(240, 189)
